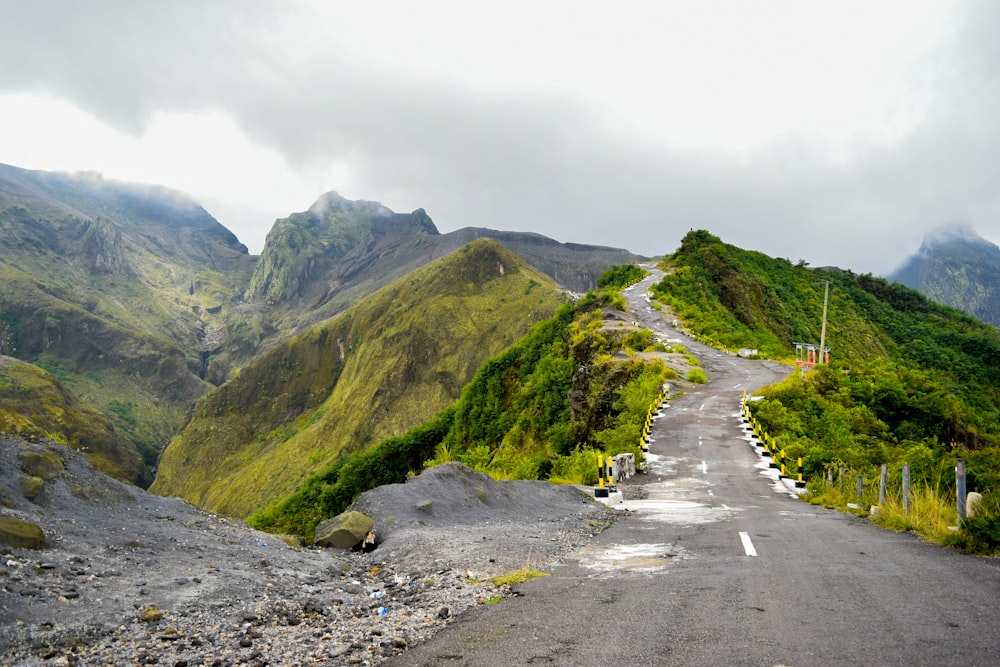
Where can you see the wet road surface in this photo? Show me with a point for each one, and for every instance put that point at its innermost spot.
(717, 564)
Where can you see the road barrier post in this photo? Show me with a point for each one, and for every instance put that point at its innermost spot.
(799, 483)
(600, 491)
(861, 486)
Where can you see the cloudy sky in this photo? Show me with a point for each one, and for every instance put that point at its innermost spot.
(834, 132)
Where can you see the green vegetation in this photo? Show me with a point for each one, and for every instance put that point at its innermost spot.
(620, 276)
(697, 376)
(541, 409)
(34, 403)
(909, 381)
(350, 475)
(517, 577)
(347, 384)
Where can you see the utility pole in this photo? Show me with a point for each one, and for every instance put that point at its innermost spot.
(822, 332)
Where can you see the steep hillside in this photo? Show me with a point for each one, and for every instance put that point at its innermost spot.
(319, 262)
(372, 372)
(957, 267)
(34, 405)
(541, 409)
(117, 290)
(575, 266)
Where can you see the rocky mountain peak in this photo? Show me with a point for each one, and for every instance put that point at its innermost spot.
(950, 233)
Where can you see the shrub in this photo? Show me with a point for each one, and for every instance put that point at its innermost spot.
(697, 376)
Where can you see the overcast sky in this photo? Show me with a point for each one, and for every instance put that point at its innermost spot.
(834, 132)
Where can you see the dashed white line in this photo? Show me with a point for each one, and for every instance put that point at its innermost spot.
(704, 468)
(747, 544)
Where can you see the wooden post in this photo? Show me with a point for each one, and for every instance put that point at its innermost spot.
(861, 486)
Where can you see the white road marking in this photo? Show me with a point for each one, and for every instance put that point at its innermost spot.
(747, 544)
(704, 468)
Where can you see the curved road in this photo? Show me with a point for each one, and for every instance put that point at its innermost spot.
(718, 564)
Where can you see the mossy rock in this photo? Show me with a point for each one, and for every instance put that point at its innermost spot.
(344, 531)
(21, 534)
(31, 486)
(46, 465)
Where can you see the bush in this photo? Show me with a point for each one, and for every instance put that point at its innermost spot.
(697, 376)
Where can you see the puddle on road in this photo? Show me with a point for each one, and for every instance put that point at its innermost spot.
(631, 557)
(668, 501)
(682, 512)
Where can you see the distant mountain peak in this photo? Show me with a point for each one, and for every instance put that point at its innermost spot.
(951, 232)
(957, 267)
(333, 202)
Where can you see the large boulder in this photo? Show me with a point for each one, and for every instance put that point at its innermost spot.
(344, 531)
(21, 534)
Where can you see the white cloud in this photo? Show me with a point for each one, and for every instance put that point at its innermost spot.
(832, 132)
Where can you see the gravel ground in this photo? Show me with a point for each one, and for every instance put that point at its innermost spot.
(131, 578)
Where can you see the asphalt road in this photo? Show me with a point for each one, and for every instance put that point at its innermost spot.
(718, 564)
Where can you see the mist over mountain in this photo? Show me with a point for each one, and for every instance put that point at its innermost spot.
(956, 267)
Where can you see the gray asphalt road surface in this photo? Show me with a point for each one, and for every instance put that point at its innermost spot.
(719, 565)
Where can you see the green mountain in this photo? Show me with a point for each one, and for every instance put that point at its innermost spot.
(956, 267)
(369, 373)
(116, 290)
(138, 301)
(318, 262)
(909, 381)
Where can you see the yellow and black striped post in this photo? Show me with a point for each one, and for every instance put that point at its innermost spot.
(799, 483)
(600, 491)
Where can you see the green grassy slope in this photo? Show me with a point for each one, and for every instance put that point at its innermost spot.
(374, 371)
(541, 409)
(910, 381)
(34, 404)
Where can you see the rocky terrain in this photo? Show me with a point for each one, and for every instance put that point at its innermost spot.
(126, 577)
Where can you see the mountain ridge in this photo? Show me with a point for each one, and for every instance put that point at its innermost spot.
(138, 301)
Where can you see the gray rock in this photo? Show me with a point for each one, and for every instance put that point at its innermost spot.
(972, 502)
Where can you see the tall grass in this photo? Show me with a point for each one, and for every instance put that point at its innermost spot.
(932, 514)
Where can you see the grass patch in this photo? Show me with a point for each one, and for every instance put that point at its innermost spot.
(697, 376)
(517, 576)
